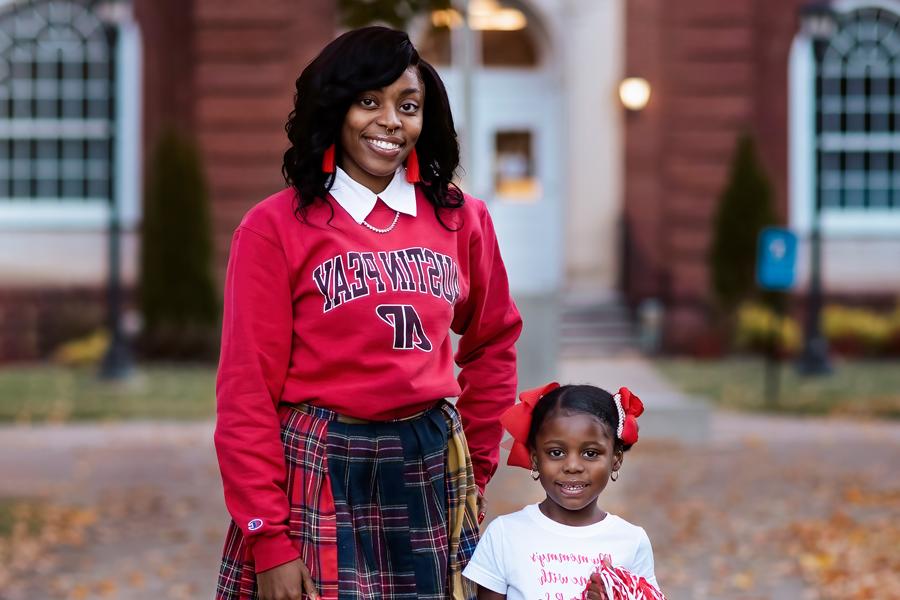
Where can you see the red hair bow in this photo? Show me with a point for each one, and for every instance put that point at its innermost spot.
(517, 421)
(631, 407)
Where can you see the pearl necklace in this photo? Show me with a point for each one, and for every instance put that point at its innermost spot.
(385, 229)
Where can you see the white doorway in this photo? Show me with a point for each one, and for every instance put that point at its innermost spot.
(514, 160)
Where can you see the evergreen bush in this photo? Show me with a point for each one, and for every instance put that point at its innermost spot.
(178, 295)
(745, 207)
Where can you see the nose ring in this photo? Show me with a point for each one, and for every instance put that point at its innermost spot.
(390, 131)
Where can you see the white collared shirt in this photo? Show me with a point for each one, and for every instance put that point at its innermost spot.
(358, 200)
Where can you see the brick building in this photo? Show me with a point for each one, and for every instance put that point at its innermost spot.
(220, 71)
(622, 202)
(722, 68)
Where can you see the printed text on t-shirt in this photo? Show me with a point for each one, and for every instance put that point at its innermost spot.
(553, 578)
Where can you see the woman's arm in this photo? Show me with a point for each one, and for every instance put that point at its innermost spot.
(256, 342)
(489, 324)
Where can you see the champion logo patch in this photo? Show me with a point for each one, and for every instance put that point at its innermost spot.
(254, 524)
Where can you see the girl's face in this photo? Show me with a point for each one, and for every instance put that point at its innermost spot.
(574, 455)
(381, 129)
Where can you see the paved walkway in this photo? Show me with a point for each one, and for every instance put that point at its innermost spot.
(146, 511)
(143, 516)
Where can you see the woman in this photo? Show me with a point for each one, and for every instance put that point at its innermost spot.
(346, 472)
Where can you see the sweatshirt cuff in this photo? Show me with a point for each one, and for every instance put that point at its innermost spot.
(481, 481)
(271, 551)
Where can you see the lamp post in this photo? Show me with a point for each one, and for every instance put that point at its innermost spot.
(117, 363)
(819, 23)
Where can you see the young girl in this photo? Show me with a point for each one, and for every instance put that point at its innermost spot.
(573, 438)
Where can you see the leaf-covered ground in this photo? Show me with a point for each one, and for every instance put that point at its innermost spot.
(768, 508)
(772, 508)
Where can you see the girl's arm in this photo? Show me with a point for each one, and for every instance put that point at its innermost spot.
(487, 565)
(486, 594)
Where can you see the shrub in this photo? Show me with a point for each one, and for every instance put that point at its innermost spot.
(178, 294)
(856, 330)
(745, 207)
(86, 351)
(758, 325)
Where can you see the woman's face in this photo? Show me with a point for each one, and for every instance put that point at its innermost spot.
(381, 129)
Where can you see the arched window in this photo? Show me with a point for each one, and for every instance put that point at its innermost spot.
(55, 104)
(856, 95)
(68, 117)
(858, 100)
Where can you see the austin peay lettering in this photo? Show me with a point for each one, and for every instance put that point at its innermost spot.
(409, 333)
(346, 277)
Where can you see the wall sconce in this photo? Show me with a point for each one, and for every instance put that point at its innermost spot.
(634, 92)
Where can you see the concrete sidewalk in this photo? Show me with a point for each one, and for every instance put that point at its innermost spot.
(669, 414)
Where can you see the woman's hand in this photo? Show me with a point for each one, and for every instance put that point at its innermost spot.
(286, 582)
(481, 504)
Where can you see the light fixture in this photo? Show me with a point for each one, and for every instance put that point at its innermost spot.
(634, 92)
(488, 15)
(447, 17)
(484, 15)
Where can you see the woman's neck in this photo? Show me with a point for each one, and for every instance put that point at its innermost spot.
(375, 183)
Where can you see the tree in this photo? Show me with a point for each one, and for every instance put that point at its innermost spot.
(745, 207)
(178, 294)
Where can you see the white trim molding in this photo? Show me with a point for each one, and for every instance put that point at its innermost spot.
(129, 107)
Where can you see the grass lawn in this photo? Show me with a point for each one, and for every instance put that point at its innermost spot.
(865, 388)
(44, 393)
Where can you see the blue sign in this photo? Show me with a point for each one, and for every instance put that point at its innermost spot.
(776, 258)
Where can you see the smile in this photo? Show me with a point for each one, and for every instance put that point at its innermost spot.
(383, 145)
(573, 487)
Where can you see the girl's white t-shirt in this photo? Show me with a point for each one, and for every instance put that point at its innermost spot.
(528, 556)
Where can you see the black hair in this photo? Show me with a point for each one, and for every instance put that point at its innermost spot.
(583, 399)
(360, 60)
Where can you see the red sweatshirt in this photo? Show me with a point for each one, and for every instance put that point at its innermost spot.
(358, 322)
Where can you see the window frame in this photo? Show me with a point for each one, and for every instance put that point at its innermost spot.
(53, 214)
(846, 222)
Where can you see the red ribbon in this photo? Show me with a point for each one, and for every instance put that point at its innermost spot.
(633, 407)
(517, 420)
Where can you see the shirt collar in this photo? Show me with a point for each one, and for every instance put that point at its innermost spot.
(358, 200)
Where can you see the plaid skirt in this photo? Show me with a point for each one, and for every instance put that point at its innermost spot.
(378, 510)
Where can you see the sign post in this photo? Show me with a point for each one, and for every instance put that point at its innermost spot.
(775, 272)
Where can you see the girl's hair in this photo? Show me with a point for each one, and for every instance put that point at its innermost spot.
(584, 399)
(360, 60)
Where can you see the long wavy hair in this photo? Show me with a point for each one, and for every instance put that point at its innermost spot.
(360, 60)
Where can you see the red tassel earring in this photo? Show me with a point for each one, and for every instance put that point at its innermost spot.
(328, 160)
(412, 167)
